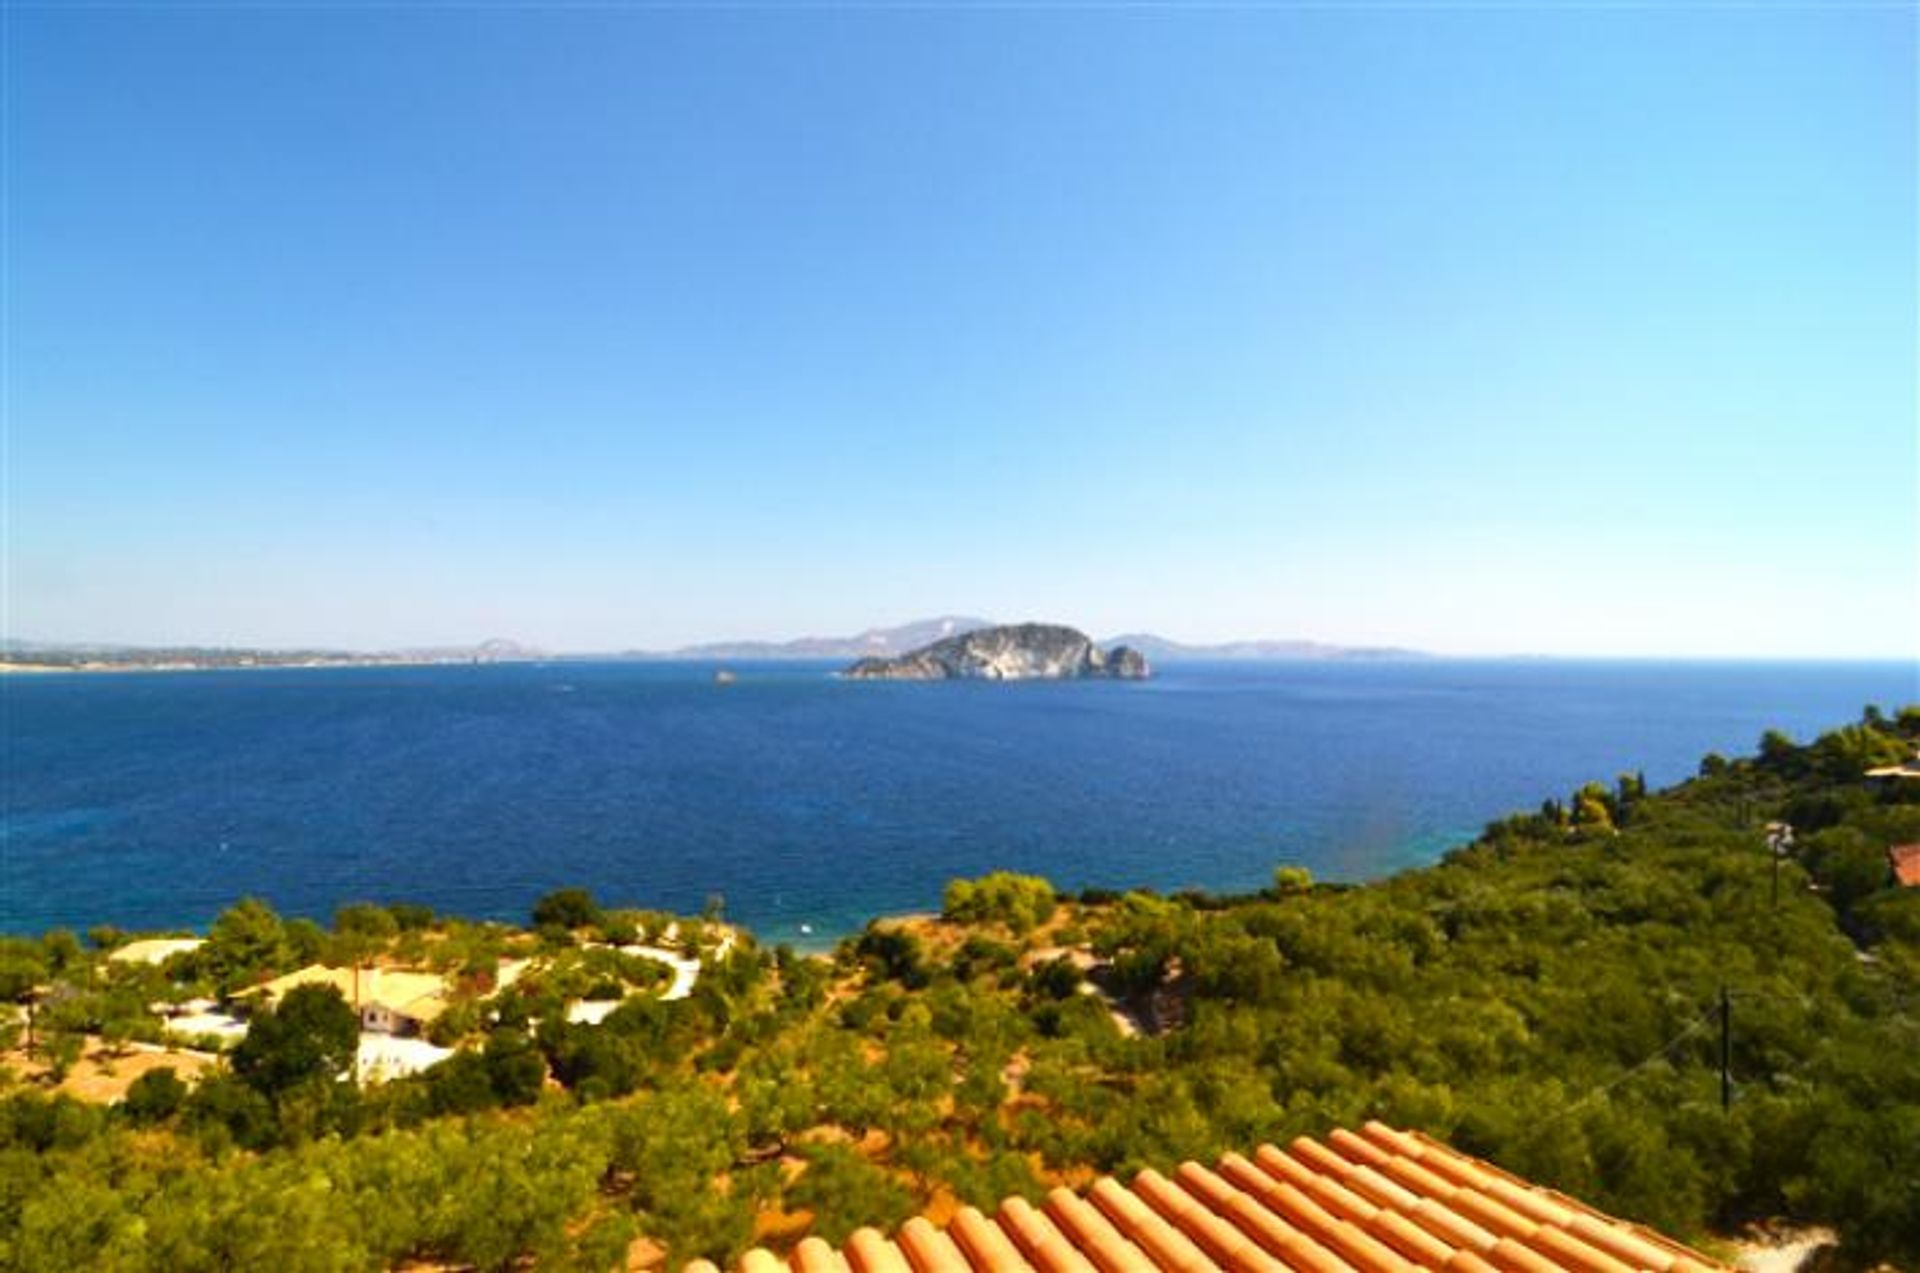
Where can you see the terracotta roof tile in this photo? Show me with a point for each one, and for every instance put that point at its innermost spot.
(813, 1255)
(1265, 1227)
(1469, 1262)
(1341, 1202)
(759, 1261)
(1166, 1246)
(1383, 1192)
(1424, 1249)
(1391, 1139)
(1418, 1179)
(869, 1252)
(1494, 1216)
(1518, 1257)
(1534, 1206)
(1623, 1243)
(1050, 1250)
(1093, 1233)
(988, 1247)
(1326, 1188)
(1317, 1157)
(1435, 1151)
(1380, 1201)
(929, 1250)
(1460, 1171)
(1441, 1220)
(1214, 1233)
(1570, 1252)
(1357, 1149)
(1352, 1243)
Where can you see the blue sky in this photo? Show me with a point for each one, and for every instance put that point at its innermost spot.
(1479, 329)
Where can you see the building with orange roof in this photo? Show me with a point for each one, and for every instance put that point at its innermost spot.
(1376, 1201)
(387, 1000)
(1905, 860)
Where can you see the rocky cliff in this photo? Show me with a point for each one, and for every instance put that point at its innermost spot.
(1019, 652)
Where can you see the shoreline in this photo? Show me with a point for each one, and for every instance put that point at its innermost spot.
(317, 665)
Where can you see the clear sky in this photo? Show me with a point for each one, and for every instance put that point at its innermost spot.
(1481, 329)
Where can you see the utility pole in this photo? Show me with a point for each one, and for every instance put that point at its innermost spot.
(1779, 844)
(1726, 1050)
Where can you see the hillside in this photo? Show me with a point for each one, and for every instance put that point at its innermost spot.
(1552, 998)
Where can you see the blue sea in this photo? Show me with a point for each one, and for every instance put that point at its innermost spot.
(809, 804)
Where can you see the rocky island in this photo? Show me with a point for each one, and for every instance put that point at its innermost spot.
(1016, 652)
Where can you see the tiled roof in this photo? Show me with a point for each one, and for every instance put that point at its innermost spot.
(1906, 864)
(421, 995)
(1381, 1201)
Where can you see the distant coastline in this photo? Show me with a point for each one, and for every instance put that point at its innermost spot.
(18, 656)
(123, 667)
(28, 668)
(21, 657)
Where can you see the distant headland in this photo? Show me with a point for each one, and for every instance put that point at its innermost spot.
(873, 643)
(1017, 652)
(48, 656)
(888, 642)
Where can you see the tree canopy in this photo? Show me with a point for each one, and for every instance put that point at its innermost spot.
(311, 1035)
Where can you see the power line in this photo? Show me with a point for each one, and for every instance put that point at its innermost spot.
(1698, 1025)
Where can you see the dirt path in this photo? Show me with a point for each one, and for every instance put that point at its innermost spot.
(1780, 1250)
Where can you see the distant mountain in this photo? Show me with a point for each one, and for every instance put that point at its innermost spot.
(892, 642)
(1161, 650)
(876, 643)
(496, 650)
(873, 643)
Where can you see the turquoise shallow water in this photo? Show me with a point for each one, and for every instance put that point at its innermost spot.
(154, 799)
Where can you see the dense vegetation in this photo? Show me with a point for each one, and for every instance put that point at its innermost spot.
(1551, 997)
